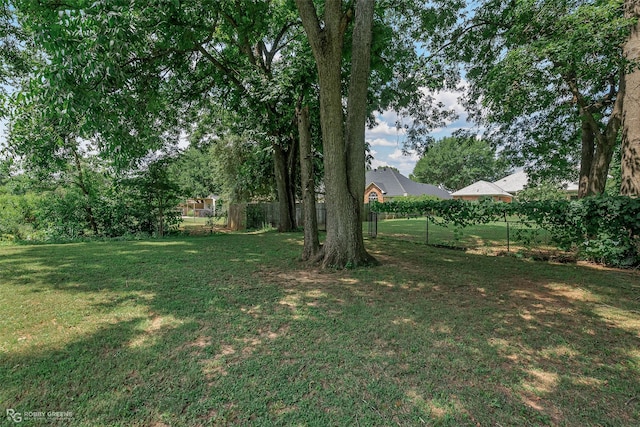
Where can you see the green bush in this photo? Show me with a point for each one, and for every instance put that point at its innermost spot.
(17, 216)
(256, 216)
(124, 208)
(62, 215)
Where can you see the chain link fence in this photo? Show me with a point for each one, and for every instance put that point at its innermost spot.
(512, 235)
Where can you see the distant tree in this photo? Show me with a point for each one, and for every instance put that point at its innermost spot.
(5, 169)
(161, 194)
(455, 162)
(543, 191)
(194, 173)
(545, 77)
(242, 168)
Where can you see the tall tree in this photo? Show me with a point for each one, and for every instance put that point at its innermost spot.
(311, 238)
(342, 134)
(138, 67)
(194, 174)
(169, 57)
(455, 162)
(630, 165)
(546, 75)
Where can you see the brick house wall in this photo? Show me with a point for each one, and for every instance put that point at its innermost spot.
(373, 192)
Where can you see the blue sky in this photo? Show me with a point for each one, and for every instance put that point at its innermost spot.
(386, 141)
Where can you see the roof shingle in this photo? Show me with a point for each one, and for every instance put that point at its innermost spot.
(394, 184)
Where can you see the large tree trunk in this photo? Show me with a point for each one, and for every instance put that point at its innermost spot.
(586, 160)
(85, 191)
(595, 161)
(311, 247)
(344, 244)
(630, 165)
(284, 185)
(293, 162)
(597, 149)
(600, 168)
(598, 143)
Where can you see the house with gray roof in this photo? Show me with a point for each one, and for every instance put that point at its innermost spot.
(514, 183)
(481, 190)
(505, 189)
(384, 184)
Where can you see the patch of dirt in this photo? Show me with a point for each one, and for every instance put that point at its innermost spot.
(205, 230)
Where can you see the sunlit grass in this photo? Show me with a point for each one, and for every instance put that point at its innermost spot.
(233, 329)
(490, 238)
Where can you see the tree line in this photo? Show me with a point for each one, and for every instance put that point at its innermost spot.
(279, 92)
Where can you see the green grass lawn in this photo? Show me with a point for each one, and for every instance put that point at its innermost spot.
(200, 226)
(230, 329)
(488, 238)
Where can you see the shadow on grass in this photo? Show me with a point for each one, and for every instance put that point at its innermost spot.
(231, 330)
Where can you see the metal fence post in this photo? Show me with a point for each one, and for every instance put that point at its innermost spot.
(373, 224)
(427, 242)
(508, 237)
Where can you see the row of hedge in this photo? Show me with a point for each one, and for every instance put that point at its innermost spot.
(62, 215)
(604, 229)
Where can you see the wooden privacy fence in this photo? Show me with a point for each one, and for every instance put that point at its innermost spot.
(251, 216)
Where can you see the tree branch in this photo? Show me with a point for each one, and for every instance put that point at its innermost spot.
(311, 24)
(571, 81)
(227, 72)
(615, 119)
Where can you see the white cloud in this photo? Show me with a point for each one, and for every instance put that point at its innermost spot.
(404, 163)
(383, 129)
(382, 142)
(399, 155)
(451, 97)
(389, 116)
(183, 140)
(450, 100)
(389, 140)
(405, 168)
(378, 163)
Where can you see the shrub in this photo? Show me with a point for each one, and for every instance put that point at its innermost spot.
(17, 216)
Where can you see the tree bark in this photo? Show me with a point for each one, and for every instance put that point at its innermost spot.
(600, 168)
(311, 247)
(597, 143)
(630, 185)
(343, 151)
(586, 160)
(85, 191)
(160, 216)
(284, 185)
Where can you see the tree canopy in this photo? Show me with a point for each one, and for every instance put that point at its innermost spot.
(546, 79)
(457, 161)
(265, 90)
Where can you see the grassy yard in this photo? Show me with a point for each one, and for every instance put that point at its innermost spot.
(230, 329)
(200, 226)
(488, 238)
